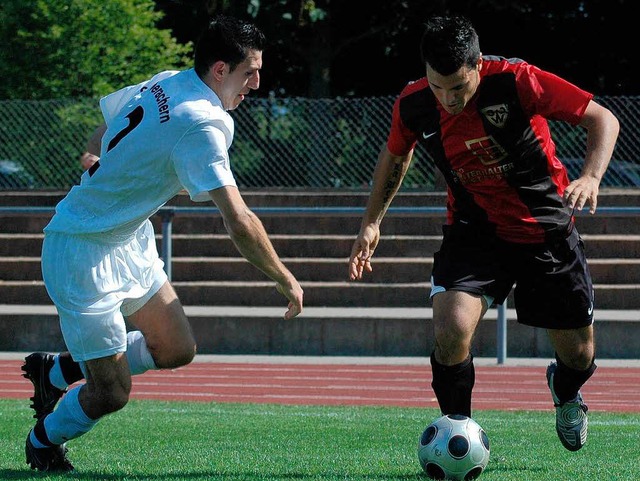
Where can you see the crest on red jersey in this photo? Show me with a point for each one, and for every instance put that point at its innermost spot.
(496, 114)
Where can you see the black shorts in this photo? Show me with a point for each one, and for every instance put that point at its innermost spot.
(553, 287)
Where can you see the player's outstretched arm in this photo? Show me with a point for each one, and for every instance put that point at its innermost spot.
(387, 178)
(251, 240)
(602, 133)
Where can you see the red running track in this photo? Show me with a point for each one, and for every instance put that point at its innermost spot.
(497, 387)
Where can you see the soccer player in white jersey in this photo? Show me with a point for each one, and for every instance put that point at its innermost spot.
(99, 259)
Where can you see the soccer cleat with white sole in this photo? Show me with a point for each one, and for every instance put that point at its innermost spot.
(571, 416)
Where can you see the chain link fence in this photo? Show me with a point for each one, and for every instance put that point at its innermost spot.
(279, 143)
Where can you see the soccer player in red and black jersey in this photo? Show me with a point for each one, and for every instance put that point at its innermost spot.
(483, 120)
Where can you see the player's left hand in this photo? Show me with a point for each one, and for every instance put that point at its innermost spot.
(581, 191)
(362, 251)
(294, 293)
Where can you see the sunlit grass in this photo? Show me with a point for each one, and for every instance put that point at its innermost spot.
(158, 441)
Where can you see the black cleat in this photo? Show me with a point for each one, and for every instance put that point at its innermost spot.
(45, 395)
(52, 460)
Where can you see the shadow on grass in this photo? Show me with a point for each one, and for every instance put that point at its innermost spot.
(11, 474)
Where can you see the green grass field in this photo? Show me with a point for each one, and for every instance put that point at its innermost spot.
(161, 441)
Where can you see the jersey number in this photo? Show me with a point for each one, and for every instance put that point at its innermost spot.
(135, 117)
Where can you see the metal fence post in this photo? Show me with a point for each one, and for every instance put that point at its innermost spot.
(167, 218)
(501, 334)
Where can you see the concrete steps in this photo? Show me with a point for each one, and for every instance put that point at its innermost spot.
(235, 309)
(326, 331)
(330, 294)
(325, 269)
(617, 246)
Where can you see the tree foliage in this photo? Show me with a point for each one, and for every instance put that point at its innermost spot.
(316, 48)
(77, 48)
(328, 48)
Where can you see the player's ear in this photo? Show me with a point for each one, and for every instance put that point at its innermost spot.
(219, 70)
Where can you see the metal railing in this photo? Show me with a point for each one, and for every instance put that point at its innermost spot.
(167, 214)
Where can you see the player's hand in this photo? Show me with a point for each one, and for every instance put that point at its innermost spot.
(295, 294)
(362, 251)
(87, 159)
(581, 191)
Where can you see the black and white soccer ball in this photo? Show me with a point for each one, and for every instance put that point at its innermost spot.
(453, 447)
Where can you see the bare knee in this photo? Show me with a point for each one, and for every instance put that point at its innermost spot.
(575, 348)
(108, 386)
(452, 344)
(177, 355)
(183, 356)
(114, 401)
(456, 315)
(166, 329)
(578, 358)
(100, 400)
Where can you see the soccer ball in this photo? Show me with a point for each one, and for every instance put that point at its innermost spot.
(453, 447)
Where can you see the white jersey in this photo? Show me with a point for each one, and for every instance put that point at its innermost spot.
(163, 135)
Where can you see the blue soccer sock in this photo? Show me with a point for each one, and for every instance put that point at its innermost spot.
(67, 422)
(138, 355)
(55, 375)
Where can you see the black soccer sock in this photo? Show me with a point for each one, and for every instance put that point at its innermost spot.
(453, 385)
(567, 381)
(70, 369)
(41, 434)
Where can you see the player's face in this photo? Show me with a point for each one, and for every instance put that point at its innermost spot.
(239, 82)
(454, 91)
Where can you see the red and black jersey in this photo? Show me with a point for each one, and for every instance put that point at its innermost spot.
(497, 155)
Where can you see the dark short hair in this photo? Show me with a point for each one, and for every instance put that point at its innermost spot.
(227, 39)
(449, 43)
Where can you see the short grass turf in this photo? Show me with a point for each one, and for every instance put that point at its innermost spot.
(160, 441)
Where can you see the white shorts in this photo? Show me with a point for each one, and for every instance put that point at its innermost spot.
(94, 284)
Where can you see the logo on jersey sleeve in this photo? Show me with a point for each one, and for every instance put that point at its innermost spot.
(496, 114)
